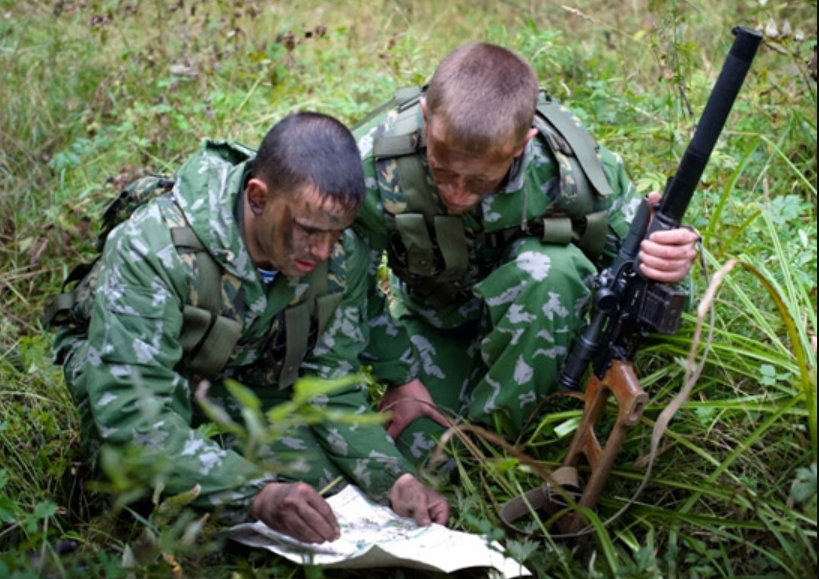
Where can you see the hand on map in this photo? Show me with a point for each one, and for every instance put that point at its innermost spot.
(410, 498)
(667, 256)
(407, 404)
(296, 510)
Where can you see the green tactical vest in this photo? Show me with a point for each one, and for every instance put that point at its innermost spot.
(209, 335)
(430, 252)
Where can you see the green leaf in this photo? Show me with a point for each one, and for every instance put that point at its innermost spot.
(309, 388)
(522, 552)
(45, 510)
(6, 510)
(805, 488)
(244, 395)
(173, 506)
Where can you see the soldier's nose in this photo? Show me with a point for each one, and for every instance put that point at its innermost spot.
(321, 250)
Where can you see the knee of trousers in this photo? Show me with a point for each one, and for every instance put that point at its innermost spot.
(544, 269)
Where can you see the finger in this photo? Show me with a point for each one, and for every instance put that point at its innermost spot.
(436, 416)
(295, 527)
(320, 516)
(439, 511)
(395, 428)
(662, 275)
(665, 264)
(665, 251)
(677, 236)
(419, 510)
(654, 197)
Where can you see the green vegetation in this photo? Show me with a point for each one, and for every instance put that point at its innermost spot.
(96, 92)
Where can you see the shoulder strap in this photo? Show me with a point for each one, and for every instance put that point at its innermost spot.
(401, 98)
(579, 141)
(207, 337)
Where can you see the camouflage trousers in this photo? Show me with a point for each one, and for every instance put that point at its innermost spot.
(495, 371)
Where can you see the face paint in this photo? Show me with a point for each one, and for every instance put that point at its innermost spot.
(296, 232)
(464, 179)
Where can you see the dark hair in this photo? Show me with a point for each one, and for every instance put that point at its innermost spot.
(312, 150)
(486, 94)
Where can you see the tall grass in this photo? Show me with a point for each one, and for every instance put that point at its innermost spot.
(96, 92)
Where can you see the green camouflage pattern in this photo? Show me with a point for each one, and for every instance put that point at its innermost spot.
(126, 372)
(494, 353)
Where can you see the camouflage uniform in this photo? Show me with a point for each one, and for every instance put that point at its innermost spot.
(494, 352)
(126, 371)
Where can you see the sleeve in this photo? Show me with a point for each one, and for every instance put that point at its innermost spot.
(623, 204)
(364, 453)
(135, 395)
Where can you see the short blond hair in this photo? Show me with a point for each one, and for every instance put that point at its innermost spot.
(486, 95)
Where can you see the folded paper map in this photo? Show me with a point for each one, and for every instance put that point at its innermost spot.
(373, 536)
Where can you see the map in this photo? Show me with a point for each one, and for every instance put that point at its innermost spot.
(373, 536)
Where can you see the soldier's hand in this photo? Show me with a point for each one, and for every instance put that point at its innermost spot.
(667, 256)
(410, 498)
(296, 510)
(407, 404)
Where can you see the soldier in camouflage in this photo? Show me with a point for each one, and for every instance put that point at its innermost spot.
(491, 317)
(270, 220)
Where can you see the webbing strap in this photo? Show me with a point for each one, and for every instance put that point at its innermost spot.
(207, 337)
(186, 238)
(56, 312)
(582, 143)
(196, 323)
(451, 237)
(397, 146)
(402, 97)
(317, 307)
(415, 235)
(593, 240)
(318, 287)
(557, 230)
(325, 308)
(297, 323)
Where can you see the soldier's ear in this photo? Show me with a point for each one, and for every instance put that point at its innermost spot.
(529, 136)
(423, 103)
(256, 193)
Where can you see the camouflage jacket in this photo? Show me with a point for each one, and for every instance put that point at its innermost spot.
(126, 371)
(532, 185)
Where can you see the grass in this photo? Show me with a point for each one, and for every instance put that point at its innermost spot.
(95, 92)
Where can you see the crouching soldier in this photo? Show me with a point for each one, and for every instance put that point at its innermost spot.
(241, 267)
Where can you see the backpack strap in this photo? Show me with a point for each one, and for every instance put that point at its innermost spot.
(402, 97)
(580, 142)
(207, 337)
(582, 180)
(58, 311)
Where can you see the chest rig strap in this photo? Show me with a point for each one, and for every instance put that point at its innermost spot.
(207, 337)
(305, 323)
(435, 244)
(582, 181)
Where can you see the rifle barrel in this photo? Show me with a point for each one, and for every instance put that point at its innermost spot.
(713, 119)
